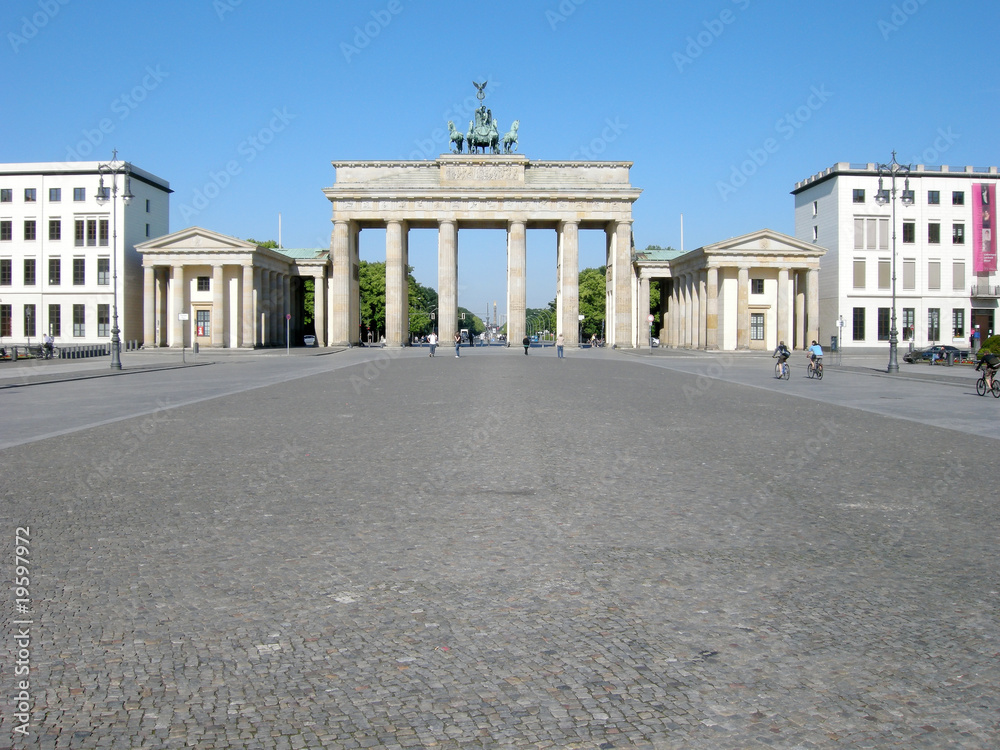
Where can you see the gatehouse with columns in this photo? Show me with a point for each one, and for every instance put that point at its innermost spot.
(465, 192)
(744, 293)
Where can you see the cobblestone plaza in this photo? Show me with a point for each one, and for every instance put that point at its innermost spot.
(372, 549)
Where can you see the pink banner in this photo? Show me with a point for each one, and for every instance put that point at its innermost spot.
(984, 241)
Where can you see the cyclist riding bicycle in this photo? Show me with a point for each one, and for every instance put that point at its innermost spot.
(816, 354)
(991, 363)
(781, 353)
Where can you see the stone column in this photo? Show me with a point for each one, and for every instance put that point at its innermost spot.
(568, 292)
(516, 280)
(743, 308)
(149, 306)
(447, 281)
(248, 309)
(397, 307)
(800, 312)
(782, 322)
(812, 305)
(343, 311)
(218, 321)
(689, 309)
(258, 307)
(319, 308)
(162, 324)
(712, 308)
(702, 310)
(620, 319)
(643, 326)
(675, 310)
(178, 327)
(695, 309)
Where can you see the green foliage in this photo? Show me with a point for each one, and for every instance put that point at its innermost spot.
(473, 322)
(992, 344)
(308, 301)
(371, 278)
(423, 302)
(593, 293)
(266, 243)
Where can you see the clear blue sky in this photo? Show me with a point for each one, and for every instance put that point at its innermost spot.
(693, 90)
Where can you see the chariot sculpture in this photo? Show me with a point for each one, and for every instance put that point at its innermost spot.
(483, 133)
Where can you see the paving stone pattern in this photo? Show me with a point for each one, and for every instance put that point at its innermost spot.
(506, 551)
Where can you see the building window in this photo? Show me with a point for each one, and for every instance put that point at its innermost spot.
(79, 194)
(91, 232)
(871, 234)
(55, 272)
(958, 275)
(958, 198)
(6, 195)
(909, 232)
(103, 271)
(29, 320)
(79, 271)
(884, 322)
(103, 234)
(55, 229)
(756, 286)
(79, 312)
(29, 271)
(859, 195)
(884, 274)
(933, 197)
(934, 274)
(203, 322)
(909, 274)
(934, 233)
(933, 324)
(6, 272)
(958, 234)
(756, 326)
(55, 195)
(858, 329)
(103, 320)
(958, 323)
(147, 230)
(6, 230)
(204, 284)
(859, 274)
(78, 232)
(29, 229)
(6, 311)
(147, 205)
(29, 195)
(815, 207)
(909, 322)
(55, 321)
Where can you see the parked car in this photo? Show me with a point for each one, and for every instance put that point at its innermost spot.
(934, 353)
(656, 341)
(309, 340)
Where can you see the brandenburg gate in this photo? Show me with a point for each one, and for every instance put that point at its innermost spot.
(489, 191)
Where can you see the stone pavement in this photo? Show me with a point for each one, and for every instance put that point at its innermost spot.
(614, 550)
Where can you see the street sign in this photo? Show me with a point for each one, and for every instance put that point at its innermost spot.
(649, 319)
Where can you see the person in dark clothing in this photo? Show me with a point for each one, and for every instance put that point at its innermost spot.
(526, 342)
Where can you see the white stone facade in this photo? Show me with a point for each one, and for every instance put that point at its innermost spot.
(939, 297)
(57, 265)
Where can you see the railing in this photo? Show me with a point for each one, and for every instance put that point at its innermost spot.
(985, 290)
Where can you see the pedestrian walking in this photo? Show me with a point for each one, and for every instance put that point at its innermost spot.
(526, 342)
(433, 341)
(458, 343)
(975, 339)
(560, 343)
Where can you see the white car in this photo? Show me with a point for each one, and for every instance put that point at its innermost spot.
(309, 340)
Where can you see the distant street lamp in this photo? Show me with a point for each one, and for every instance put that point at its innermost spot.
(882, 197)
(113, 169)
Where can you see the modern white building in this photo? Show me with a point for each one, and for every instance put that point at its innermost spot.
(945, 265)
(61, 249)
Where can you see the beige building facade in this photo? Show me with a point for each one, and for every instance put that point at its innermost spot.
(744, 293)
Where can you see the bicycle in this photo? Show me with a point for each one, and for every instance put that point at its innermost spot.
(781, 370)
(814, 370)
(981, 386)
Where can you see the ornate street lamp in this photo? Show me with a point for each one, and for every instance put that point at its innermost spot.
(882, 197)
(113, 169)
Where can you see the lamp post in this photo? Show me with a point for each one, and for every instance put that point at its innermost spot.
(114, 168)
(892, 169)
